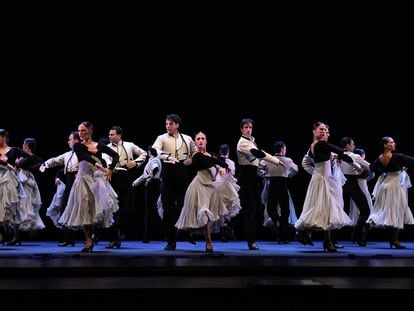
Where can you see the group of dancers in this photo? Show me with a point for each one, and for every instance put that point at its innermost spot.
(94, 188)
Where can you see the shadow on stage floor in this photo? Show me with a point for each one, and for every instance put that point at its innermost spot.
(292, 273)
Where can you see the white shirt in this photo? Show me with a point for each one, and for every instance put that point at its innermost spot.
(68, 159)
(149, 171)
(352, 168)
(180, 146)
(244, 155)
(126, 151)
(288, 169)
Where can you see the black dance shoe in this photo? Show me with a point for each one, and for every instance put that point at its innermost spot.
(171, 246)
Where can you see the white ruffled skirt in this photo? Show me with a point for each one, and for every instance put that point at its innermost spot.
(323, 208)
(208, 200)
(92, 200)
(390, 202)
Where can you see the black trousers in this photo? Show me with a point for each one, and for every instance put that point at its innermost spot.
(122, 183)
(69, 180)
(175, 180)
(249, 193)
(352, 190)
(278, 194)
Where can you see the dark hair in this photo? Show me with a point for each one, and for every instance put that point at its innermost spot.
(245, 121)
(384, 141)
(118, 130)
(200, 133)
(75, 135)
(224, 149)
(279, 145)
(88, 125)
(4, 133)
(152, 151)
(318, 123)
(345, 141)
(31, 142)
(359, 151)
(173, 118)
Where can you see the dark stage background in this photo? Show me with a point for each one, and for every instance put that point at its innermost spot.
(351, 109)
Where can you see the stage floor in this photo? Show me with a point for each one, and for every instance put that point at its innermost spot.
(43, 267)
(231, 257)
(235, 249)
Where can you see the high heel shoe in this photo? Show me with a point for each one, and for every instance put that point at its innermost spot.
(66, 243)
(252, 246)
(304, 238)
(359, 237)
(329, 247)
(88, 247)
(209, 248)
(396, 244)
(95, 238)
(114, 244)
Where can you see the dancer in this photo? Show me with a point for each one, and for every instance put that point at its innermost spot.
(64, 181)
(151, 178)
(92, 200)
(29, 206)
(208, 202)
(130, 158)
(175, 150)
(11, 190)
(323, 206)
(391, 208)
(279, 205)
(250, 183)
(352, 189)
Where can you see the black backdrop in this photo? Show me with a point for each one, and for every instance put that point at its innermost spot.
(284, 112)
(340, 68)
